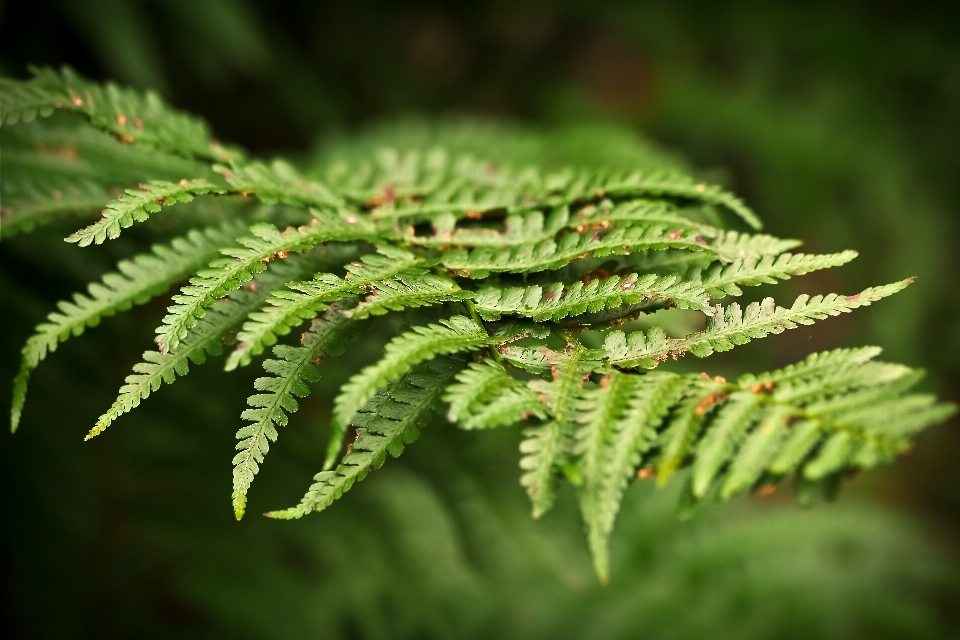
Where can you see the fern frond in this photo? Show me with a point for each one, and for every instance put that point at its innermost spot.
(619, 421)
(557, 301)
(301, 301)
(731, 326)
(757, 449)
(658, 213)
(387, 422)
(135, 281)
(732, 245)
(222, 276)
(279, 182)
(550, 255)
(725, 280)
(136, 205)
(452, 335)
(205, 338)
(531, 359)
(545, 445)
(407, 291)
(125, 113)
(408, 187)
(796, 419)
(293, 370)
(486, 396)
(51, 169)
(519, 228)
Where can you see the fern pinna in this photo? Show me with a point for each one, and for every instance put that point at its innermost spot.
(528, 285)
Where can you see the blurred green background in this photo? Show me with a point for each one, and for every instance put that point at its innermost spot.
(838, 121)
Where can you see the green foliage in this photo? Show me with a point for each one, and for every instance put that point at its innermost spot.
(618, 243)
(303, 300)
(135, 282)
(388, 422)
(207, 337)
(136, 205)
(293, 370)
(125, 113)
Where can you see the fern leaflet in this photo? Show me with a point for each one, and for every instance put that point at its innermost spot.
(225, 275)
(205, 338)
(125, 113)
(389, 421)
(452, 335)
(723, 280)
(301, 301)
(550, 255)
(619, 424)
(136, 205)
(546, 444)
(293, 370)
(731, 326)
(485, 396)
(556, 301)
(135, 282)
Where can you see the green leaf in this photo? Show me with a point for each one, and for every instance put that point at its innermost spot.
(557, 301)
(135, 282)
(730, 326)
(128, 114)
(453, 335)
(301, 301)
(486, 396)
(225, 275)
(136, 205)
(545, 445)
(619, 421)
(280, 182)
(206, 337)
(388, 421)
(750, 271)
(293, 370)
(551, 255)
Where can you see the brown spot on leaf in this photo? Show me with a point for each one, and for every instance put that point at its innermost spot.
(704, 405)
(766, 490)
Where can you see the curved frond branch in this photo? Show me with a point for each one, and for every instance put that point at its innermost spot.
(452, 335)
(205, 338)
(135, 282)
(549, 255)
(486, 396)
(544, 446)
(279, 182)
(136, 205)
(726, 280)
(731, 326)
(225, 275)
(558, 301)
(293, 370)
(619, 424)
(408, 291)
(388, 422)
(128, 114)
(301, 301)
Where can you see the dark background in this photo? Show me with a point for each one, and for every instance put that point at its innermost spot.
(839, 122)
